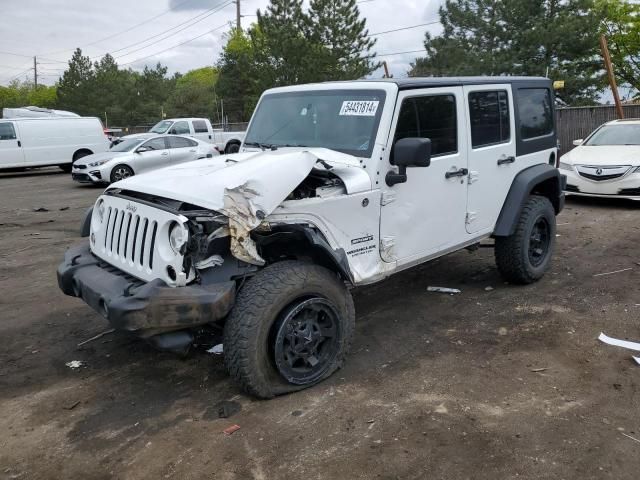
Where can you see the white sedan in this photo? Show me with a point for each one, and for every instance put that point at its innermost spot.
(137, 155)
(607, 163)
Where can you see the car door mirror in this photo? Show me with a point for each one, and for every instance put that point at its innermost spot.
(577, 143)
(408, 152)
(172, 131)
(142, 149)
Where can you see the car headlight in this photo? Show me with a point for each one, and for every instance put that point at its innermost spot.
(100, 211)
(99, 163)
(178, 236)
(565, 166)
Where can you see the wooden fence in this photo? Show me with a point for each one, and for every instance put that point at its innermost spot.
(578, 122)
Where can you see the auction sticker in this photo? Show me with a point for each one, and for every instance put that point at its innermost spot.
(360, 108)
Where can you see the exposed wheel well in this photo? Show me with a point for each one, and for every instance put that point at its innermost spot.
(549, 188)
(83, 152)
(230, 143)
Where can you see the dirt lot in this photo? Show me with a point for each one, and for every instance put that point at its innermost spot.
(437, 386)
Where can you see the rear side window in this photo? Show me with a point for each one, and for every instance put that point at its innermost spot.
(180, 142)
(535, 112)
(180, 128)
(199, 126)
(432, 117)
(489, 117)
(7, 132)
(156, 144)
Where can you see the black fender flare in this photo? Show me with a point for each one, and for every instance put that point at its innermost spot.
(85, 225)
(542, 179)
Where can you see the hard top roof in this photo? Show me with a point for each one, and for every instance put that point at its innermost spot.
(433, 82)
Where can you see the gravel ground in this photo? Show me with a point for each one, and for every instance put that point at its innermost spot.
(488, 384)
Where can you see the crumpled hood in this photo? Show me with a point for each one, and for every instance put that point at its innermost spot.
(605, 155)
(272, 175)
(96, 157)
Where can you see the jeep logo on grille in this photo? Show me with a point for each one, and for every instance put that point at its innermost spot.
(131, 208)
(599, 171)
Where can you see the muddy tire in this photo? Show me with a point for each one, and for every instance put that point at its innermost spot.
(291, 327)
(525, 256)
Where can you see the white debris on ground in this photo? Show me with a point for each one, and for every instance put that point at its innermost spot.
(621, 343)
(450, 291)
(216, 349)
(75, 364)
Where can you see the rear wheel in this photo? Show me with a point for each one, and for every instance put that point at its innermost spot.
(525, 256)
(120, 172)
(78, 155)
(232, 148)
(291, 327)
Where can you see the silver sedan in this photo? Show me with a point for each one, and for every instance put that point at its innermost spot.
(137, 155)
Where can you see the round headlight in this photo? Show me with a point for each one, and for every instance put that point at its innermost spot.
(100, 210)
(178, 236)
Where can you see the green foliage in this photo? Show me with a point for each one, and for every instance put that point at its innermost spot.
(621, 25)
(21, 94)
(519, 37)
(194, 94)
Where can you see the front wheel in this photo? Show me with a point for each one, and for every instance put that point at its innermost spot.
(120, 172)
(290, 328)
(525, 256)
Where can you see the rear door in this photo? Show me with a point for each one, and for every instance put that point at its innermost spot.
(157, 156)
(201, 131)
(182, 149)
(492, 153)
(11, 152)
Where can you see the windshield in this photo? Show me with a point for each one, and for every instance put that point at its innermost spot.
(615, 135)
(161, 127)
(127, 145)
(342, 120)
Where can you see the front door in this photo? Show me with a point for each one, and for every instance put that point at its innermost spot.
(492, 153)
(11, 153)
(426, 215)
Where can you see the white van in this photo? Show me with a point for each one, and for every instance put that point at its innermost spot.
(42, 142)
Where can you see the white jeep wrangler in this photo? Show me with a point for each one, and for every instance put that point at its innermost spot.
(337, 185)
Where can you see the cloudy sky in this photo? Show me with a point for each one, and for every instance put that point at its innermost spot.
(181, 34)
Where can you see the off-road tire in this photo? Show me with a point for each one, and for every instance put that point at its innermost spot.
(512, 252)
(248, 349)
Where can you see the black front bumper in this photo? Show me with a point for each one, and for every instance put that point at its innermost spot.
(145, 309)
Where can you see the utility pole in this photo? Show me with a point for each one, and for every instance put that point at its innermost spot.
(35, 72)
(612, 79)
(386, 69)
(238, 16)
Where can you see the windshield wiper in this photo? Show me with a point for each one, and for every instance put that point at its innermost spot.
(263, 146)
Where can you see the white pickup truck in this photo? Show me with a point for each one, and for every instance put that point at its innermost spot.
(200, 128)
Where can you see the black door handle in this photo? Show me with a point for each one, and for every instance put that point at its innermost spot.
(19, 144)
(458, 173)
(504, 161)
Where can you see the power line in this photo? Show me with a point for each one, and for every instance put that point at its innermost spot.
(175, 46)
(11, 79)
(125, 30)
(404, 28)
(215, 10)
(400, 53)
(15, 54)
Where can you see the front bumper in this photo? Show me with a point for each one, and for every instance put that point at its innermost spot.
(145, 309)
(82, 176)
(627, 186)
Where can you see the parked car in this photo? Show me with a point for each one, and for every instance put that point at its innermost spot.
(607, 163)
(340, 185)
(138, 155)
(200, 128)
(48, 141)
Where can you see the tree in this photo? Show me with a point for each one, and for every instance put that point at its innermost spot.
(557, 38)
(74, 90)
(194, 94)
(621, 25)
(336, 25)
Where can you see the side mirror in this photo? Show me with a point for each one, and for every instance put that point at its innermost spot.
(142, 149)
(172, 131)
(577, 143)
(409, 152)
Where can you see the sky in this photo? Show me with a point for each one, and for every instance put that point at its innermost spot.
(180, 34)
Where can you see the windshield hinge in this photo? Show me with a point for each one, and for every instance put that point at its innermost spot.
(387, 198)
